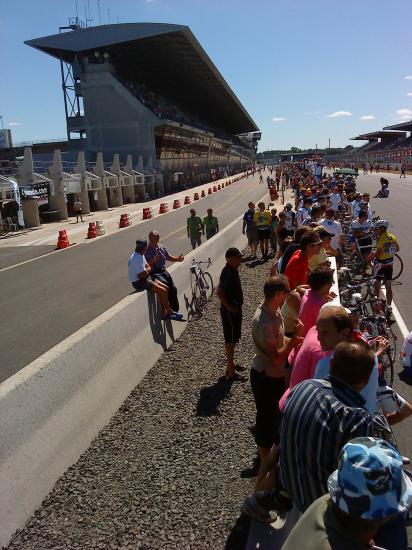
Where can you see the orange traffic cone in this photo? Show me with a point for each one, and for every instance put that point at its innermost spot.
(63, 240)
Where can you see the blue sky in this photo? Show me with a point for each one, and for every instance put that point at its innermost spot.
(292, 64)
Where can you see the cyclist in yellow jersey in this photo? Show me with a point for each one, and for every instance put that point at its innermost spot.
(262, 221)
(386, 247)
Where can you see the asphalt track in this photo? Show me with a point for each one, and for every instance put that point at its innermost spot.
(45, 300)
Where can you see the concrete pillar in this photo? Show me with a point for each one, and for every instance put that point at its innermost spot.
(25, 169)
(31, 213)
(101, 203)
(57, 200)
(127, 191)
(80, 168)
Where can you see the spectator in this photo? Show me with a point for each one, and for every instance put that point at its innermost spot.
(156, 256)
(293, 247)
(281, 231)
(303, 212)
(230, 294)
(290, 219)
(297, 268)
(262, 221)
(320, 281)
(355, 205)
(77, 206)
(334, 325)
(210, 224)
(321, 259)
(333, 227)
(290, 309)
(354, 509)
(139, 272)
(194, 229)
(314, 215)
(267, 376)
(319, 418)
(273, 235)
(250, 229)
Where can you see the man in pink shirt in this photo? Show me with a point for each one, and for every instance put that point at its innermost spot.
(331, 319)
(320, 280)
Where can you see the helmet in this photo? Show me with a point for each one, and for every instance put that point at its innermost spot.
(288, 205)
(381, 223)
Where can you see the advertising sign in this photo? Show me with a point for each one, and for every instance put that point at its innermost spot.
(39, 191)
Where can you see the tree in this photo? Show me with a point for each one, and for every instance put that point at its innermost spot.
(295, 150)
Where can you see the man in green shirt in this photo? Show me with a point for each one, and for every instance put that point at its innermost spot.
(194, 229)
(210, 224)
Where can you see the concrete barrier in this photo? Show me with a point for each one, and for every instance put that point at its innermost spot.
(52, 409)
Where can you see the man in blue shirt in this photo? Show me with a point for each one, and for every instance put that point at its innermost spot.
(250, 229)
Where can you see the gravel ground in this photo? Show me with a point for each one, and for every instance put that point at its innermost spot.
(166, 471)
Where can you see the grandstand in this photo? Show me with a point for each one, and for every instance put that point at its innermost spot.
(387, 147)
(150, 90)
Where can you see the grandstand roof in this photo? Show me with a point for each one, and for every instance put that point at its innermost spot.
(407, 126)
(167, 58)
(380, 134)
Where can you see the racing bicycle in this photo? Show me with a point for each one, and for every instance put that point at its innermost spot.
(201, 283)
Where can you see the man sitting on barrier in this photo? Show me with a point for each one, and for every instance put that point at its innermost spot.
(139, 277)
(156, 256)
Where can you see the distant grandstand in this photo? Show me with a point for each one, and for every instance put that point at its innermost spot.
(150, 90)
(388, 147)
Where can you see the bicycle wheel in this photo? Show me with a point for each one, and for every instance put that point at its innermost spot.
(397, 267)
(208, 284)
(197, 301)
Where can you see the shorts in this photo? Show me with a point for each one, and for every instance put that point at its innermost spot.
(251, 235)
(267, 393)
(232, 326)
(144, 284)
(264, 233)
(383, 271)
(195, 240)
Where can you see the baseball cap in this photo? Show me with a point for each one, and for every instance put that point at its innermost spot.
(233, 252)
(140, 244)
(369, 482)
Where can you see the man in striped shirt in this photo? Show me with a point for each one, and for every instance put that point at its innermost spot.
(320, 417)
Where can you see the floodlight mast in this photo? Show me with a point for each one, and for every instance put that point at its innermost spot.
(72, 105)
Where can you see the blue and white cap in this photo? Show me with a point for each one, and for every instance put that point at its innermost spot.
(369, 482)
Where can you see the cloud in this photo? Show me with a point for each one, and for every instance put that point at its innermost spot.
(409, 77)
(14, 123)
(339, 114)
(404, 114)
(409, 94)
(367, 117)
(278, 118)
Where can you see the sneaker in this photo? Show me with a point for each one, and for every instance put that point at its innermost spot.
(175, 316)
(265, 505)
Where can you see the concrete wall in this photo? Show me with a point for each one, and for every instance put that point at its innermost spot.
(52, 409)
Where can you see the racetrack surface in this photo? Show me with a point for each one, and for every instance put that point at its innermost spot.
(45, 300)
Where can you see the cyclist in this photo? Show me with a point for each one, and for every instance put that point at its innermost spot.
(383, 193)
(360, 236)
(386, 247)
(262, 221)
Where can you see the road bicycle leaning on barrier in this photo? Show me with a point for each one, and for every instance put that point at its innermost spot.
(201, 283)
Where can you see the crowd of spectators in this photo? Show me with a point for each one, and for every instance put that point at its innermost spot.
(316, 381)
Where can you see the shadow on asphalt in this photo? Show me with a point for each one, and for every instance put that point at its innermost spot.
(405, 378)
(210, 397)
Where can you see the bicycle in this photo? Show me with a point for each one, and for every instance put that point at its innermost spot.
(201, 283)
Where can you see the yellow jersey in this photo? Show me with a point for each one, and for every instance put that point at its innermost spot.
(262, 219)
(388, 243)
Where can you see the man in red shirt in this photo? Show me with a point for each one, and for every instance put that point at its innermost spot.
(298, 266)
